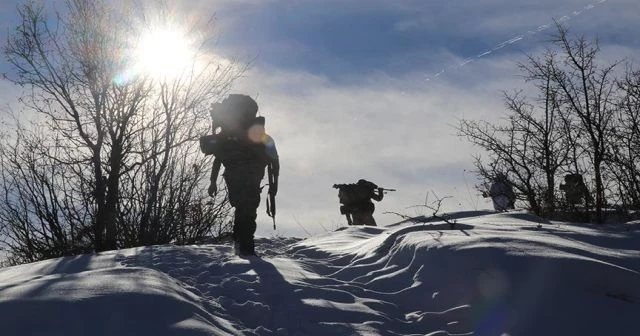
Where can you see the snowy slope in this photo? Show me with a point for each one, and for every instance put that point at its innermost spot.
(492, 274)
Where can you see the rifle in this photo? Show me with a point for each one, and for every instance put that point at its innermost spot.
(271, 198)
(344, 185)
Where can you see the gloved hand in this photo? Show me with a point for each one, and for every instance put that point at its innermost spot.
(213, 189)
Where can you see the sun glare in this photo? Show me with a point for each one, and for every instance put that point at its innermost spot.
(163, 53)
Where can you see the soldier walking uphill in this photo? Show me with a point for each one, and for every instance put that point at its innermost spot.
(241, 145)
(356, 201)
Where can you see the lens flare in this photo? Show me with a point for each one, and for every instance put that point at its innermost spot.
(257, 134)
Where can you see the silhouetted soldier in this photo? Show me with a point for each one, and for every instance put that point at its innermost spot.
(575, 191)
(501, 193)
(244, 149)
(356, 201)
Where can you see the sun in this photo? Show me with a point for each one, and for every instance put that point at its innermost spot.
(163, 53)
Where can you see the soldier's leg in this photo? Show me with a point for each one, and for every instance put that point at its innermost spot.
(346, 211)
(349, 220)
(500, 203)
(369, 220)
(244, 227)
(244, 196)
(358, 217)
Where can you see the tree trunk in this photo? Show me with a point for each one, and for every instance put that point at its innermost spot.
(99, 194)
(550, 196)
(599, 191)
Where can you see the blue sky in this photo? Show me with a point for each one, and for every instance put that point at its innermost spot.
(371, 89)
(345, 40)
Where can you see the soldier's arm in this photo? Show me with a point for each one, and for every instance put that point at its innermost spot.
(275, 172)
(378, 194)
(274, 164)
(215, 170)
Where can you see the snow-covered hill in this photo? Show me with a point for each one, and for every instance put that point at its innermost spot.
(492, 274)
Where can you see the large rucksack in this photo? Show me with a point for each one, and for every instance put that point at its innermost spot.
(354, 193)
(234, 115)
(231, 120)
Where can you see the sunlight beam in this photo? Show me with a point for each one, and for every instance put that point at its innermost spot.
(163, 53)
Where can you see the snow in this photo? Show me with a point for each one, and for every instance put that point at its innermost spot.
(491, 274)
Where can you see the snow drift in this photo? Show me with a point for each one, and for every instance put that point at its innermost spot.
(491, 274)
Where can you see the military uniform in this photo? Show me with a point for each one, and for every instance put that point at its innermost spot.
(356, 200)
(244, 149)
(502, 194)
(244, 162)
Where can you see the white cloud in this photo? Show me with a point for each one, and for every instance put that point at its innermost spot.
(9, 94)
(397, 132)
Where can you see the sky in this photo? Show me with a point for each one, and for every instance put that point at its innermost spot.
(374, 89)
(503, 274)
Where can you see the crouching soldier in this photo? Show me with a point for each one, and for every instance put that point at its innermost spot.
(356, 201)
(575, 191)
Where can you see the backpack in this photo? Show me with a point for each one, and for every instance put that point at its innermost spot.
(354, 193)
(234, 115)
(231, 120)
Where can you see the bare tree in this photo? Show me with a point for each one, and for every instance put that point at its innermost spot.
(530, 146)
(109, 136)
(626, 151)
(587, 96)
(568, 127)
(43, 210)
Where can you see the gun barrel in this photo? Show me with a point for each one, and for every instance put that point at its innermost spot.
(385, 189)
